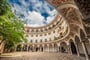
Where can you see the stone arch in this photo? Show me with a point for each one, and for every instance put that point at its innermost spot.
(63, 47)
(73, 47)
(79, 46)
(51, 47)
(55, 47)
(19, 47)
(30, 48)
(85, 40)
(41, 48)
(24, 48)
(45, 47)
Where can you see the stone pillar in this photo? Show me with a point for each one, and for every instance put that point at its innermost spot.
(69, 49)
(38, 48)
(57, 48)
(48, 47)
(84, 49)
(88, 37)
(32, 49)
(77, 48)
(27, 47)
(21, 47)
(43, 48)
(53, 48)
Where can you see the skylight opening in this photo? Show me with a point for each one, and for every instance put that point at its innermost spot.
(35, 13)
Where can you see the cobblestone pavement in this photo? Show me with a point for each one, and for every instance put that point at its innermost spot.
(41, 56)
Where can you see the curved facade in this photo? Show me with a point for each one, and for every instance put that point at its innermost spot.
(65, 34)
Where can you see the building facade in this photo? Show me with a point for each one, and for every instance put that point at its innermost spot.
(69, 32)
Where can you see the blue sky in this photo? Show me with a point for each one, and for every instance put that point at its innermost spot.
(36, 12)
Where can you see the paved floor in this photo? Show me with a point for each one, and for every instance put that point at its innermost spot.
(40, 56)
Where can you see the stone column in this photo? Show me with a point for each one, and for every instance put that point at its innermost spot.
(69, 49)
(88, 37)
(21, 47)
(33, 49)
(84, 49)
(77, 48)
(53, 48)
(38, 48)
(43, 48)
(27, 47)
(48, 47)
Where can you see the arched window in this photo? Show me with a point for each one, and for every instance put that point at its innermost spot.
(35, 41)
(27, 30)
(40, 40)
(27, 35)
(31, 41)
(45, 40)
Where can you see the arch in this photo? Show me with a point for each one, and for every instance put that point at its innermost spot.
(73, 47)
(85, 40)
(30, 48)
(24, 48)
(79, 45)
(82, 35)
(55, 47)
(41, 48)
(63, 47)
(19, 47)
(45, 47)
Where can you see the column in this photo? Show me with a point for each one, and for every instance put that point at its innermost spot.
(21, 47)
(38, 48)
(88, 37)
(69, 49)
(58, 45)
(77, 48)
(84, 48)
(48, 47)
(53, 47)
(27, 47)
(43, 48)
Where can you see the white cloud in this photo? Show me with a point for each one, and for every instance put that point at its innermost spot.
(34, 17)
(52, 16)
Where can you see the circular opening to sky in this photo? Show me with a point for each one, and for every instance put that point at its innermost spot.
(34, 12)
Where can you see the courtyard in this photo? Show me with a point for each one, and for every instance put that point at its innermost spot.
(39, 56)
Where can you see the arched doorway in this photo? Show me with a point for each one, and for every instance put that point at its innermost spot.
(18, 48)
(79, 46)
(73, 47)
(63, 47)
(85, 42)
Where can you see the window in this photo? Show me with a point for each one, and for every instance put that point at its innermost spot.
(27, 30)
(40, 40)
(27, 36)
(31, 35)
(41, 30)
(49, 28)
(37, 30)
(53, 25)
(31, 41)
(32, 30)
(45, 29)
(49, 33)
(35, 41)
(45, 34)
(36, 35)
(45, 40)
(53, 31)
(41, 35)
(49, 39)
